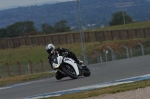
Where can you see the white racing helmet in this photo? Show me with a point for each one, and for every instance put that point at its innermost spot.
(50, 48)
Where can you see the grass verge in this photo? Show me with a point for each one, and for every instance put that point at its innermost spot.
(35, 54)
(107, 90)
(24, 78)
(126, 26)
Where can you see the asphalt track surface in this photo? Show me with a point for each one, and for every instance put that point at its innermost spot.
(102, 72)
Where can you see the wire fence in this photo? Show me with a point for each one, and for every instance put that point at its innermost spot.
(24, 69)
(109, 54)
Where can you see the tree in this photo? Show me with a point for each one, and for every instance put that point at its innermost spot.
(120, 18)
(28, 26)
(46, 28)
(62, 26)
(3, 33)
(20, 28)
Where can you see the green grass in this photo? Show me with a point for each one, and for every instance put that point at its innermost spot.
(126, 26)
(35, 54)
(22, 55)
(107, 90)
(24, 78)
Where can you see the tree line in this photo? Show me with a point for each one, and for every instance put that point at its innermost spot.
(27, 28)
(120, 18)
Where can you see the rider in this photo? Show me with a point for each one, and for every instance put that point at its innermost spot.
(50, 48)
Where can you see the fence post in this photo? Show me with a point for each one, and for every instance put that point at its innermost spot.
(31, 69)
(142, 48)
(19, 67)
(112, 53)
(98, 56)
(144, 33)
(127, 52)
(8, 68)
(85, 60)
(105, 52)
(42, 65)
(131, 51)
(112, 37)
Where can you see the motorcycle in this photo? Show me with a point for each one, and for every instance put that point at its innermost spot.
(67, 67)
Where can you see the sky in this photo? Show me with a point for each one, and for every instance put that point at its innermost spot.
(5, 4)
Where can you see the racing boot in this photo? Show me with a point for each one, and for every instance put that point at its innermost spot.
(80, 62)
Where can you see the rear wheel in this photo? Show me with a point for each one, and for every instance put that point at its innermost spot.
(86, 71)
(69, 71)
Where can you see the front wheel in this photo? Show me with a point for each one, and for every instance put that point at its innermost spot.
(59, 75)
(69, 71)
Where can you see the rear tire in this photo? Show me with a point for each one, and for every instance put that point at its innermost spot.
(86, 71)
(69, 71)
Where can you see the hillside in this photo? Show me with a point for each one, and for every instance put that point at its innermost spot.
(96, 12)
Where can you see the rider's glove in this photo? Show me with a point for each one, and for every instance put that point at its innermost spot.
(66, 53)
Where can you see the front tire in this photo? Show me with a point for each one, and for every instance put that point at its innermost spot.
(59, 75)
(69, 71)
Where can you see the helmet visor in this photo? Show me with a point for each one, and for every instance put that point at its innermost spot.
(51, 50)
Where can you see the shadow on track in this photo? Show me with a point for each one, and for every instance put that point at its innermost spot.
(66, 79)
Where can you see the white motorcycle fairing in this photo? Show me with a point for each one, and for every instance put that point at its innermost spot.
(69, 61)
(67, 67)
(59, 60)
(72, 63)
